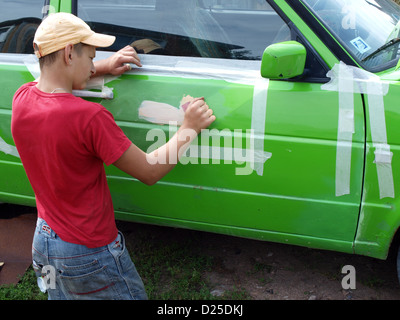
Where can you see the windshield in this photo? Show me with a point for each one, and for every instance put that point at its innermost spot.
(367, 29)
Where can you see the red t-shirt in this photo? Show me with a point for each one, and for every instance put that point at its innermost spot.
(63, 142)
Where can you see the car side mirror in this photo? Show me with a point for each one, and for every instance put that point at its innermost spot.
(283, 60)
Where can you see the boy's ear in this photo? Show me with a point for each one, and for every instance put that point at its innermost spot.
(68, 54)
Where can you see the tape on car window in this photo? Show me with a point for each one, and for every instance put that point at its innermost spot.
(348, 80)
(234, 71)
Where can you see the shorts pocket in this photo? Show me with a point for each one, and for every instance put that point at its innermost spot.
(87, 281)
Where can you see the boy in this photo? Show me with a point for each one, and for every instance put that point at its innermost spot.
(63, 142)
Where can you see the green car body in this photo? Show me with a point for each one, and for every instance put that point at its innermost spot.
(297, 186)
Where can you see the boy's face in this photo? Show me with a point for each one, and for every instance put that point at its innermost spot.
(83, 67)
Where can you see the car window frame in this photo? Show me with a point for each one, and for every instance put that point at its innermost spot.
(297, 34)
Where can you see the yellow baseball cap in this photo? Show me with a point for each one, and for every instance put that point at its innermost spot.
(60, 29)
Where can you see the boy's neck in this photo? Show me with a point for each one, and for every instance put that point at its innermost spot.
(54, 80)
(51, 88)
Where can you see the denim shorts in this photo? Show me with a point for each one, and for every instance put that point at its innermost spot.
(71, 272)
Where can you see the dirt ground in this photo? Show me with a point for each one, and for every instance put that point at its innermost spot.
(271, 271)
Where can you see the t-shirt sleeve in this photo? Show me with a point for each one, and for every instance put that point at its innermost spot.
(105, 139)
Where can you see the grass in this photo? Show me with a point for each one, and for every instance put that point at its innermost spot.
(171, 271)
(174, 269)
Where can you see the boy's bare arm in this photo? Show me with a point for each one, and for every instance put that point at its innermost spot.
(147, 167)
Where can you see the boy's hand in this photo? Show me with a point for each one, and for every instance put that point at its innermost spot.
(198, 115)
(118, 63)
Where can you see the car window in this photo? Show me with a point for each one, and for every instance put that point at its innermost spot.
(195, 28)
(18, 23)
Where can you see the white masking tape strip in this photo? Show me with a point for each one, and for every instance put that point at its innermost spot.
(234, 71)
(343, 167)
(383, 155)
(260, 96)
(345, 132)
(360, 78)
(377, 115)
(348, 80)
(196, 70)
(346, 101)
(8, 149)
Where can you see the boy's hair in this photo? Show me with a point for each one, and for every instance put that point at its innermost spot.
(49, 59)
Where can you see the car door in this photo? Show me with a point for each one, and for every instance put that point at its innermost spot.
(18, 23)
(270, 166)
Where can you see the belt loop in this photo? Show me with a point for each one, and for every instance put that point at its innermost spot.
(44, 228)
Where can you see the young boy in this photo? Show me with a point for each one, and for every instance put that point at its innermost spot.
(63, 142)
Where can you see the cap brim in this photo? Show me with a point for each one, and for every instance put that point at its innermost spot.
(99, 40)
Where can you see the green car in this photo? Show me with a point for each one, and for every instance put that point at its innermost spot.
(306, 146)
